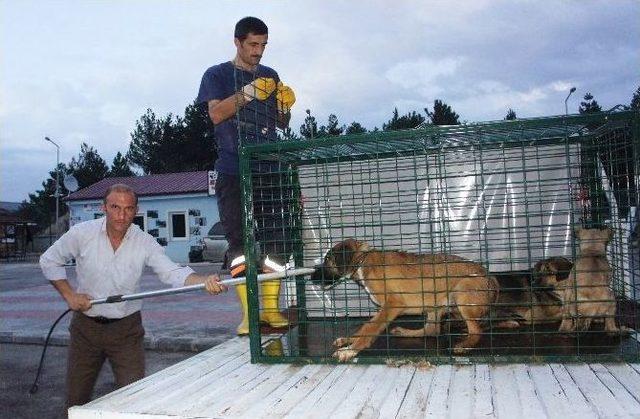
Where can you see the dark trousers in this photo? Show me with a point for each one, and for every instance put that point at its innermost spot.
(272, 213)
(91, 343)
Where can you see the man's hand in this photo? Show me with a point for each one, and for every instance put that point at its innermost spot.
(285, 97)
(261, 88)
(213, 286)
(78, 302)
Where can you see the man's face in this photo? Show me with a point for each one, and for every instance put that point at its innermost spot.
(120, 209)
(251, 49)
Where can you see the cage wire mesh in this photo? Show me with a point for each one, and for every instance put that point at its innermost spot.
(452, 244)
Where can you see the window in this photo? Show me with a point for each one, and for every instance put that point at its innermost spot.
(139, 220)
(178, 225)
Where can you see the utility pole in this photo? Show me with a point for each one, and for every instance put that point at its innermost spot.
(57, 193)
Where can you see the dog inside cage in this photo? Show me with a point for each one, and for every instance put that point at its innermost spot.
(498, 241)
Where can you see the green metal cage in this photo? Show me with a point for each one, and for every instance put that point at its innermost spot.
(508, 196)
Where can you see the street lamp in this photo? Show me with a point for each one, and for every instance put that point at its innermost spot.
(566, 108)
(57, 194)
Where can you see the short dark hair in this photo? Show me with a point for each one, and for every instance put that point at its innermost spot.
(119, 187)
(248, 25)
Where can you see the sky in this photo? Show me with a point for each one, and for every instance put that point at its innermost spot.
(85, 71)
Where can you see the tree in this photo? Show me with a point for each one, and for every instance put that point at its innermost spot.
(355, 128)
(635, 100)
(120, 167)
(309, 129)
(41, 206)
(173, 144)
(408, 121)
(511, 115)
(589, 105)
(88, 168)
(333, 126)
(442, 114)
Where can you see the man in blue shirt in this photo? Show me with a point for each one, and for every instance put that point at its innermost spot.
(247, 102)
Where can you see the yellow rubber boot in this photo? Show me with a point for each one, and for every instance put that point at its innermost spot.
(243, 328)
(270, 307)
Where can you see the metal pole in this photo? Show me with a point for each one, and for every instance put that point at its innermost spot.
(190, 288)
(566, 108)
(57, 193)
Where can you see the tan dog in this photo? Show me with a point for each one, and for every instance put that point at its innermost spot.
(404, 283)
(587, 294)
(532, 298)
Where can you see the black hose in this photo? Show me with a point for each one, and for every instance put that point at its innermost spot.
(34, 387)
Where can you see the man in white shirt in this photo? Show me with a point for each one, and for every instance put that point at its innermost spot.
(110, 253)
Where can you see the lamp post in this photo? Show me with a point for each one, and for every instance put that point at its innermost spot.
(57, 193)
(566, 108)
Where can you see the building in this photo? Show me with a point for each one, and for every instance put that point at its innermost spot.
(16, 232)
(178, 209)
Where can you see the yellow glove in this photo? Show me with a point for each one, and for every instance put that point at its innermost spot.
(261, 88)
(286, 98)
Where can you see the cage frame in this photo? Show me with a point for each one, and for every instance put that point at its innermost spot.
(570, 129)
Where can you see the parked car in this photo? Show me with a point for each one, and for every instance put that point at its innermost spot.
(214, 244)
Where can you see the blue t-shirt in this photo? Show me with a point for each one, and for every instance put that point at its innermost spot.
(255, 122)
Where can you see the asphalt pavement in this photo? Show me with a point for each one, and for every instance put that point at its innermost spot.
(176, 327)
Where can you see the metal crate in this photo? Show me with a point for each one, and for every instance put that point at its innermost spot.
(505, 195)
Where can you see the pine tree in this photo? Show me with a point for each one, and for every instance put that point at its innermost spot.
(355, 128)
(410, 120)
(309, 130)
(589, 105)
(511, 115)
(89, 167)
(120, 167)
(635, 100)
(442, 114)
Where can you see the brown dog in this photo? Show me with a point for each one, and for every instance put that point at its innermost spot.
(531, 297)
(587, 294)
(404, 283)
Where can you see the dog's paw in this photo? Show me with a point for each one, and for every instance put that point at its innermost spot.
(341, 342)
(460, 350)
(345, 354)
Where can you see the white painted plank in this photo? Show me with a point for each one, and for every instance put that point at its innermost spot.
(418, 393)
(483, 392)
(594, 391)
(579, 403)
(461, 392)
(505, 392)
(627, 402)
(297, 385)
(308, 404)
(529, 401)
(550, 393)
(171, 393)
(335, 395)
(229, 386)
(438, 403)
(360, 401)
(253, 394)
(165, 382)
(627, 376)
(388, 398)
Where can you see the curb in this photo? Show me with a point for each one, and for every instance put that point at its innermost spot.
(165, 344)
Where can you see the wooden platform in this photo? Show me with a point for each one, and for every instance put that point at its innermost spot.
(222, 383)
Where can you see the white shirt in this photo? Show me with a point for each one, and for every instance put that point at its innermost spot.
(101, 272)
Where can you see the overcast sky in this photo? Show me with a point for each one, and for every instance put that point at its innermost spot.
(85, 71)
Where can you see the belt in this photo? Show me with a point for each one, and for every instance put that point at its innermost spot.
(102, 320)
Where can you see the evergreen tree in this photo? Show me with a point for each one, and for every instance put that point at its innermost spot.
(309, 129)
(88, 168)
(355, 128)
(635, 100)
(442, 114)
(120, 167)
(408, 121)
(511, 115)
(41, 206)
(333, 126)
(589, 105)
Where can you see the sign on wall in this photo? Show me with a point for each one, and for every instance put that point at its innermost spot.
(212, 176)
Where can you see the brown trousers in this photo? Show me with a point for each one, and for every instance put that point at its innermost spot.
(121, 342)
